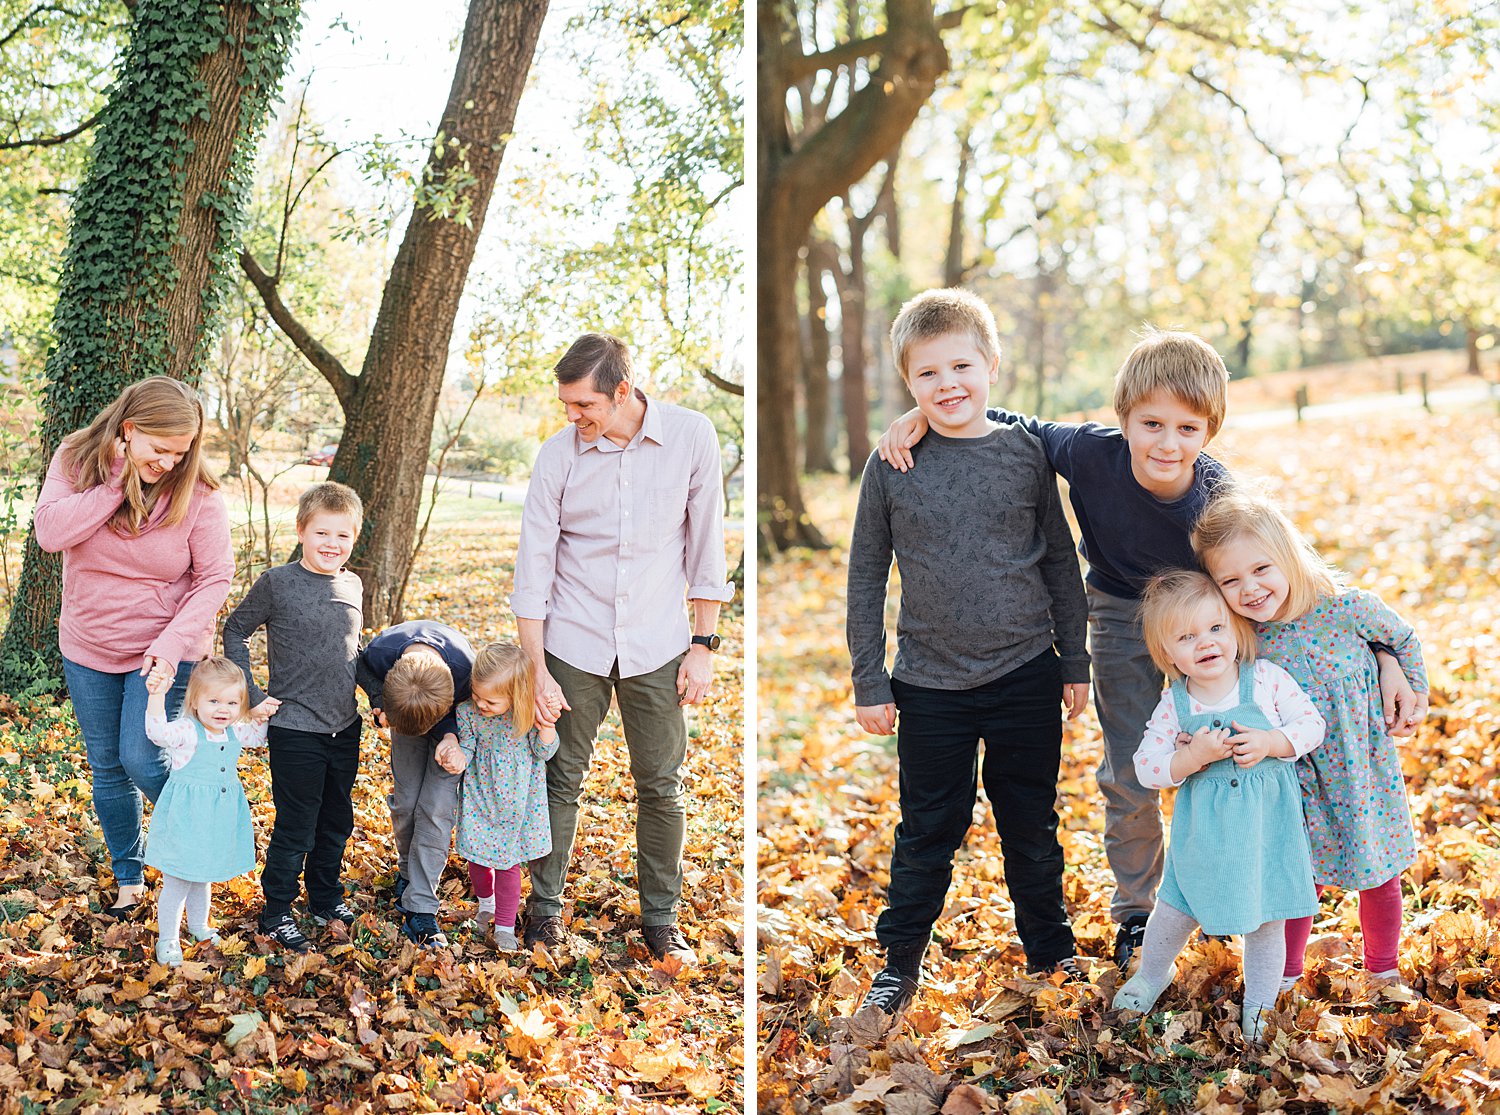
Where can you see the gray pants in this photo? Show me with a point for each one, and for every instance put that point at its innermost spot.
(656, 738)
(424, 808)
(1127, 686)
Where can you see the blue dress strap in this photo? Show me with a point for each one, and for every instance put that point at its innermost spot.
(1247, 683)
(1180, 702)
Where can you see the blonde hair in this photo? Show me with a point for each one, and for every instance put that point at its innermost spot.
(330, 498)
(1240, 513)
(506, 666)
(1183, 365)
(941, 313)
(158, 406)
(214, 673)
(417, 692)
(1167, 603)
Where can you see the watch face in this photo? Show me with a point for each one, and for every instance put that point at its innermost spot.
(710, 641)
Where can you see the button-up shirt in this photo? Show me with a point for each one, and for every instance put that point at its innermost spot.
(611, 537)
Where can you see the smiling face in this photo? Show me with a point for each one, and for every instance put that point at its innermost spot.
(1165, 437)
(153, 455)
(1203, 645)
(490, 698)
(1252, 581)
(593, 413)
(327, 538)
(950, 376)
(217, 707)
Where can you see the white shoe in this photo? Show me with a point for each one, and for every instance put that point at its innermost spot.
(505, 939)
(168, 953)
(1137, 994)
(208, 936)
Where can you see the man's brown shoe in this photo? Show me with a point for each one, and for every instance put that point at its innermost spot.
(667, 940)
(547, 931)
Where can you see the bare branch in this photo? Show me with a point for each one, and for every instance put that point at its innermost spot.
(721, 383)
(804, 66)
(26, 19)
(52, 141)
(327, 365)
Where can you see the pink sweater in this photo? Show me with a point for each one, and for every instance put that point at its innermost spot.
(122, 597)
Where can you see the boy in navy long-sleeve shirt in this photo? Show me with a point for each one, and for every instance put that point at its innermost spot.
(415, 675)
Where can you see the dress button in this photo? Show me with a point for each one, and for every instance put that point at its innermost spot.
(223, 769)
(1234, 781)
(223, 789)
(1218, 724)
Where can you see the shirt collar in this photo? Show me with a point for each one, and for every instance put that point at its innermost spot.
(651, 427)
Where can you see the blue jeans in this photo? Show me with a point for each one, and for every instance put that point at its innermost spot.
(111, 713)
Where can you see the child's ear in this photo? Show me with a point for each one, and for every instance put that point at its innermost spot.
(995, 368)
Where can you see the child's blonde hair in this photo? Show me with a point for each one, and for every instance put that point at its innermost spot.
(1167, 603)
(157, 406)
(940, 313)
(215, 673)
(1241, 513)
(418, 691)
(331, 498)
(506, 666)
(1183, 365)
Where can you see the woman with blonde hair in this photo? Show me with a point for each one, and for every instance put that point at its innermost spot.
(133, 508)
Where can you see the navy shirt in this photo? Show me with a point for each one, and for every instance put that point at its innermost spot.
(1128, 535)
(382, 652)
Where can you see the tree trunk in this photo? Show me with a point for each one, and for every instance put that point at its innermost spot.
(1471, 347)
(151, 241)
(793, 185)
(954, 268)
(817, 453)
(855, 381)
(390, 406)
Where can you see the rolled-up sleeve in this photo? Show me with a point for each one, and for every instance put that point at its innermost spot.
(541, 526)
(706, 564)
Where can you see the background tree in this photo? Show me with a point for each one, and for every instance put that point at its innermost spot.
(153, 227)
(390, 404)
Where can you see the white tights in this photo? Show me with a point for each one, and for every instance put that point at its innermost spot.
(177, 896)
(1167, 933)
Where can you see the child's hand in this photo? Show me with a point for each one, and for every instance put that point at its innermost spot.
(1251, 745)
(449, 755)
(1209, 745)
(378, 715)
(1075, 698)
(895, 444)
(878, 720)
(1404, 707)
(265, 710)
(161, 676)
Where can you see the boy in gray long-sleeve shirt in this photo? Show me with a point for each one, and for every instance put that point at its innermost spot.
(990, 639)
(311, 610)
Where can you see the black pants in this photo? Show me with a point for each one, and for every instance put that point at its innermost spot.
(312, 778)
(937, 744)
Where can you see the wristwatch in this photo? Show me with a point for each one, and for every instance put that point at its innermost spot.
(710, 641)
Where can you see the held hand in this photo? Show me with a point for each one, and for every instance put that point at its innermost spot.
(1404, 707)
(265, 710)
(1416, 712)
(878, 720)
(1209, 745)
(894, 447)
(378, 716)
(695, 677)
(449, 755)
(1251, 745)
(549, 700)
(160, 674)
(1075, 698)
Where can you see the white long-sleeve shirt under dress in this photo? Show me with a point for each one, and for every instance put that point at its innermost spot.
(200, 828)
(1238, 855)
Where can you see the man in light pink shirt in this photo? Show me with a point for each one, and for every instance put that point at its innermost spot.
(623, 516)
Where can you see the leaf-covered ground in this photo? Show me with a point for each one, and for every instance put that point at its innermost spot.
(1411, 509)
(367, 1023)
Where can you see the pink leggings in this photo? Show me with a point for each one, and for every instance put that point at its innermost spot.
(504, 883)
(1379, 925)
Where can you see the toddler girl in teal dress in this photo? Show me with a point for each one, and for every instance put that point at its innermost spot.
(200, 828)
(503, 820)
(1353, 793)
(1238, 858)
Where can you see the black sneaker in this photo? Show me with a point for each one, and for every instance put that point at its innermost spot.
(423, 929)
(402, 882)
(891, 993)
(283, 930)
(1070, 968)
(1129, 938)
(340, 911)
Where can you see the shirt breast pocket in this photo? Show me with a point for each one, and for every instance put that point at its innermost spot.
(667, 508)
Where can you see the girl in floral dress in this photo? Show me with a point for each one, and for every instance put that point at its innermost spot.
(1353, 795)
(503, 819)
(200, 829)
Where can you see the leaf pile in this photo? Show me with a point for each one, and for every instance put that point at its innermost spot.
(368, 1022)
(1410, 510)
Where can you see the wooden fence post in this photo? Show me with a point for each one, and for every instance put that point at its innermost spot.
(1300, 401)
